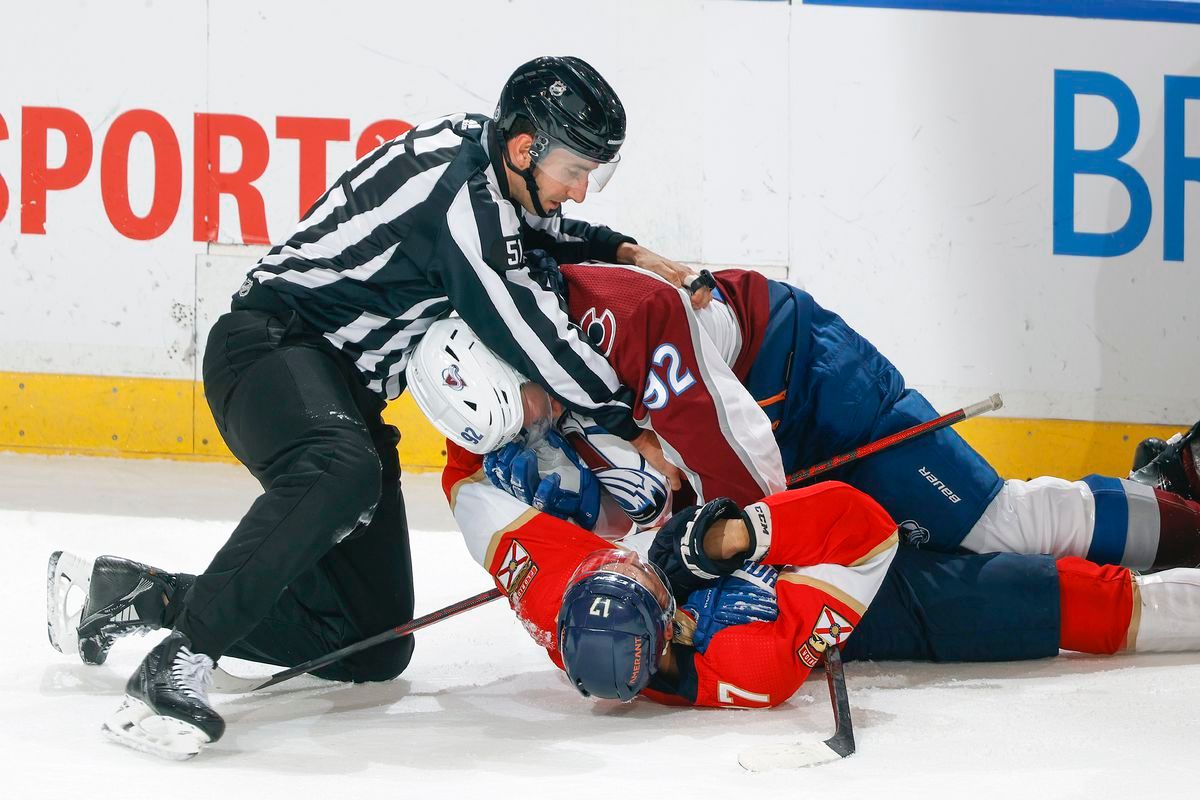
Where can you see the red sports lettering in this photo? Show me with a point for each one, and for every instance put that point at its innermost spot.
(3, 185)
(379, 132)
(114, 174)
(210, 182)
(313, 134)
(37, 177)
(211, 178)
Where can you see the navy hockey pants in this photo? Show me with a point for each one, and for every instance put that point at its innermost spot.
(942, 607)
(833, 391)
(321, 559)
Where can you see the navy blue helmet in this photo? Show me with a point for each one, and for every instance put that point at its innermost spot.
(613, 624)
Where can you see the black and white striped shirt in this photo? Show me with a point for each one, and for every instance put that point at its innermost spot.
(423, 226)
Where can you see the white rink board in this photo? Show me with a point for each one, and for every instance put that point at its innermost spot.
(922, 208)
(85, 299)
(900, 162)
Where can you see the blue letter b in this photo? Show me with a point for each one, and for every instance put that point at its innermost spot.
(1069, 162)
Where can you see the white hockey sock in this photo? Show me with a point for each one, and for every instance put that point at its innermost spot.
(1047, 515)
(1105, 520)
(1166, 611)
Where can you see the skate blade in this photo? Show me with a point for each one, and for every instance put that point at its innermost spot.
(67, 579)
(797, 755)
(136, 725)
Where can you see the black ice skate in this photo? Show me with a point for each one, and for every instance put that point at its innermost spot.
(119, 597)
(166, 710)
(1177, 468)
(1146, 451)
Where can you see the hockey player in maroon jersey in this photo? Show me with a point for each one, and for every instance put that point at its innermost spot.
(931, 606)
(764, 381)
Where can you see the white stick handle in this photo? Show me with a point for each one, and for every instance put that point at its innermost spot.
(983, 406)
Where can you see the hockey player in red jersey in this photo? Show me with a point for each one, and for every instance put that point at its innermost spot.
(570, 588)
(931, 606)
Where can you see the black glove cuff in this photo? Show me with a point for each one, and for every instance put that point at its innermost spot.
(604, 246)
(678, 548)
(691, 545)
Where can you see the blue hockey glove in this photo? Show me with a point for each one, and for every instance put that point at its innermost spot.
(748, 595)
(568, 490)
(513, 469)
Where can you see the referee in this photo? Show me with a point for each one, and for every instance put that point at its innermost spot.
(298, 373)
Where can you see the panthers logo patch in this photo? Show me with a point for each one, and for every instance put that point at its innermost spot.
(517, 571)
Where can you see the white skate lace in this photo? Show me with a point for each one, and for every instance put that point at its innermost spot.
(192, 674)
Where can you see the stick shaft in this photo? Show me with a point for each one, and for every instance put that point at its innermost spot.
(975, 409)
(842, 741)
(395, 633)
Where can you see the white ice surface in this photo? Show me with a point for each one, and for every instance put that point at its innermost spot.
(482, 712)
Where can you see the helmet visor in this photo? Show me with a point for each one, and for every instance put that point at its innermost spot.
(574, 170)
(538, 414)
(615, 562)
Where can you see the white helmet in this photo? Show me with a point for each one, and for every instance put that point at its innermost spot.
(464, 389)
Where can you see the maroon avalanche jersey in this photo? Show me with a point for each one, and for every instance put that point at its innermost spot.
(684, 388)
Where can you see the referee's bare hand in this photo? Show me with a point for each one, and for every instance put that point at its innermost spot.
(678, 274)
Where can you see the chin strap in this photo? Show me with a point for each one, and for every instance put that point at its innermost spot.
(530, 183)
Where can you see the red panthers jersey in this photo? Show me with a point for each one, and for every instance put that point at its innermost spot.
(837, 544)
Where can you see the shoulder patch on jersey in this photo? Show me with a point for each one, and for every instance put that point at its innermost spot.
(600, 327)
(831, 629)
(517, 572)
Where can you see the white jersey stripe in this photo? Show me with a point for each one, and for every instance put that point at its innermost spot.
(356, 330)
(352, 231)
(373, 170)
(550, 225)
(318, 276)
(856, 586)
(746, 427)
(447, 138)
(480, 510)
(334, 200)
(402, 339)
(465, 232)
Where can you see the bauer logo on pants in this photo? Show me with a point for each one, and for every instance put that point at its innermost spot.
(937, 483)
(516, 572)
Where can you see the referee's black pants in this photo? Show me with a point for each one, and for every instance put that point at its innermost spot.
(321, 559)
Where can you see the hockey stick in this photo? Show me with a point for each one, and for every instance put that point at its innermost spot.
(232, 684)
(991, 404)
(812, 753)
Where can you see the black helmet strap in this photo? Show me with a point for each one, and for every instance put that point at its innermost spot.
(527, 174)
